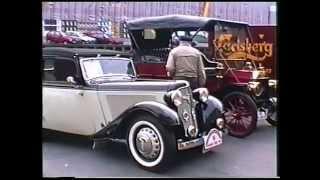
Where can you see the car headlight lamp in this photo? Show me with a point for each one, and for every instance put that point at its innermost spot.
(176, 98)
(253, 85)
(192, 131)
(256, 88)
(220, 123)
(272, 83)
(255, 74)
(201, 94)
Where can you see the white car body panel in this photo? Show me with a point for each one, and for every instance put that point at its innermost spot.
(66, 110)
(116, 102)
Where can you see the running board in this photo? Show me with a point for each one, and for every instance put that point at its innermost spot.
(105, 140)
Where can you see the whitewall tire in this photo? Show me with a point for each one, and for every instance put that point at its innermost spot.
(150, 144)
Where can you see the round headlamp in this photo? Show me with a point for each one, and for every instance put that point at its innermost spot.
(272, 83)
(220, 123)
(202, 94)
(176, 98)
(253, 85)
(192, 131)
(255, 74)
(256, 88)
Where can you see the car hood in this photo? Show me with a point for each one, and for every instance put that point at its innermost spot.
(143, 85)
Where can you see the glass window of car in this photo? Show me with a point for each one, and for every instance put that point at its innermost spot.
(50, 28)
(238, 33)
(201, 37)
(56, 70)
(73, 33)
(232, 34)
(99, 67)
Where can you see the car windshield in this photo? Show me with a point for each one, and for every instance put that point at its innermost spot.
(200, 37)
(64, 34)
(80, 34)
(230, 45)
(107, 67)
(73, 34)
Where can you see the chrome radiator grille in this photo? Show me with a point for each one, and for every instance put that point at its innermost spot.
(186, 110)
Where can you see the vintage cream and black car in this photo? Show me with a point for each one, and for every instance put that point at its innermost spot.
(96, 93)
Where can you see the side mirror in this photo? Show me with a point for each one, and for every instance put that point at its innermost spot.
(70, 80)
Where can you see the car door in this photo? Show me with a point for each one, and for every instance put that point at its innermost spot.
(67, 107)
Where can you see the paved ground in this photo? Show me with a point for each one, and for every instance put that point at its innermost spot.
(254, 156)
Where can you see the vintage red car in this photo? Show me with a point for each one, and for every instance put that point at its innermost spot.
(231, 60)
(102, 38)
(61, 38)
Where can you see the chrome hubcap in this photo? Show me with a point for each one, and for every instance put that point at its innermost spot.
(148, 143)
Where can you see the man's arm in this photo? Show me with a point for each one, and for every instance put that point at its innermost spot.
(201, 72)
(170, 65)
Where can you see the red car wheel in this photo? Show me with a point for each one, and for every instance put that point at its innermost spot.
(240, 114)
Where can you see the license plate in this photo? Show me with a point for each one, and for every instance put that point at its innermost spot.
(211, 140)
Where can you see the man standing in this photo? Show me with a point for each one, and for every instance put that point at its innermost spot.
(185, 63)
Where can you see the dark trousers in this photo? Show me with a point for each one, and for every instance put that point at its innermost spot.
(193, 81)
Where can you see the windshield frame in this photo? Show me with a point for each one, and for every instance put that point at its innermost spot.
(83, 71)
(230, 63)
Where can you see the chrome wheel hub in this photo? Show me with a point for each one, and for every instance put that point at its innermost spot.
(148, 143)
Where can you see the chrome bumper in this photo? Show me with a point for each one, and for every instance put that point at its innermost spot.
(184, 145)
(189, 144)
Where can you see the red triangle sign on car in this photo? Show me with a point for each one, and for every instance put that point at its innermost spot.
(210, 140)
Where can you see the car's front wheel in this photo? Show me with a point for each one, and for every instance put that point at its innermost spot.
(240, 114)
(150, 144)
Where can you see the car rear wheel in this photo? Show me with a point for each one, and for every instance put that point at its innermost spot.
(150, 144)
(240, 114)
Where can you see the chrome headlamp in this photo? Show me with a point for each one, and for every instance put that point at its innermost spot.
(272, 83)
(192, 131)
(176, 98)
(220, 123)
(256, 88)
(255, 74)
(201, 94)
(253, 85)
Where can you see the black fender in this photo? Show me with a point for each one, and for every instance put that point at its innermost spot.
(165, 115)
(210, 111)
(242, 87)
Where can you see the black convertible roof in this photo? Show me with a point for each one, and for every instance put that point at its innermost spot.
(83, 52)
(175, 21)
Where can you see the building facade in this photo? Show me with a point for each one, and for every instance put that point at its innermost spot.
(255, 13)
